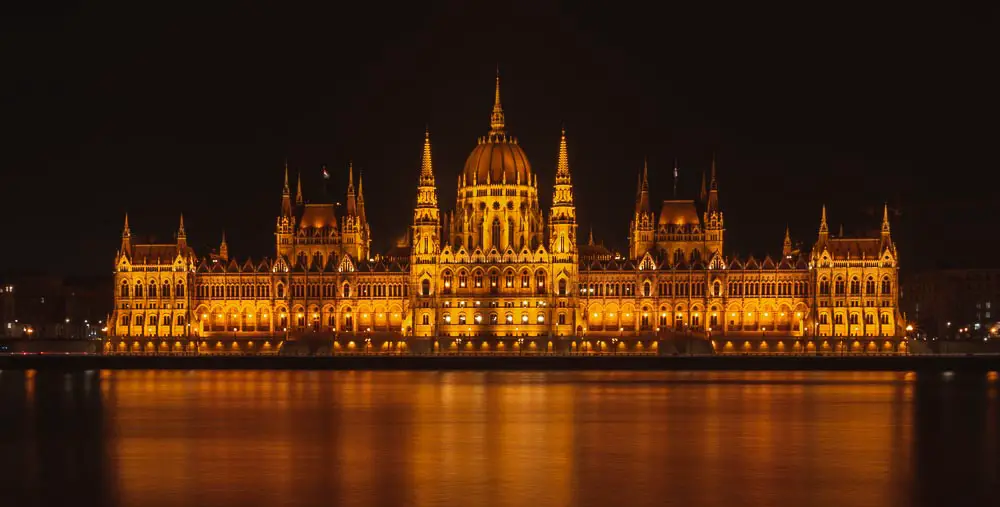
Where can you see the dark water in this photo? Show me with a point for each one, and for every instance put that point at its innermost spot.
(219, 438)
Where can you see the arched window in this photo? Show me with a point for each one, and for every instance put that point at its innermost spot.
(124, 292)
(678, 256)
(839, 286)
(493, 319)
(152, 289)
(317, 259)
(717, 289)
(510, 232)
(462, 279)
(446, 280)
(461, 319)
(179, 290)
(425, 287)
(541, 318)
(870, 286)
(646, 289)
(540, 281)
(838, 318)
(509, 319)
(477, 278)
(869, 319)
(883, 318)
(886, 286)
(303, 259)
(854, 318)
(166, 290)
(855, 286)
(824, 287)
(562, 287)
(425, 319)
(347, 290)
(695, 255)
(496, 233)
(138, 289)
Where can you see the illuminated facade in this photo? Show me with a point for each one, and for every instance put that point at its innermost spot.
(499, 274)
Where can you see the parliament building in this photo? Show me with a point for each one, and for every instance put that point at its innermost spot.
(500, 274)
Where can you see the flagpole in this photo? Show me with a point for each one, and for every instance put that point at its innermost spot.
(326, 181)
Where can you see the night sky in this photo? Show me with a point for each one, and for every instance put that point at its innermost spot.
(122, 107)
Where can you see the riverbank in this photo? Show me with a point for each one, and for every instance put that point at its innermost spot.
(919, 363)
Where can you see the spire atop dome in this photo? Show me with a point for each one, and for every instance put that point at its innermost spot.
(497, 124)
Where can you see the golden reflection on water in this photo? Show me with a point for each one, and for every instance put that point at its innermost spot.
(507, 439)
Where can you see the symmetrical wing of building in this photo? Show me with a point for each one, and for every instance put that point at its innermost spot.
(499, 273)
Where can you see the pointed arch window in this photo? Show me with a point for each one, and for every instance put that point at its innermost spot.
(824, 287)
(510, 232)
(425, 287)
(646, 289)
(446, 280)
(870, 286)
(138, 289)
(152, 289)
(179, 290)
(886, 285)
(855, 286)
(166, 289)
(124, 291)
(495, 233)
(562, 287)
(838, 286)
(678, 256)
(347, 290)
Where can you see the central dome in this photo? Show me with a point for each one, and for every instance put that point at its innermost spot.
(497, 161)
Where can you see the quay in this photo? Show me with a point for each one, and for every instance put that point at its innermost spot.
(938, 363)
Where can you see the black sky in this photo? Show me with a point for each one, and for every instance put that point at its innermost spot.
(116, 107)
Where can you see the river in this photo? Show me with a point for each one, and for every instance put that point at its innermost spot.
(297, 438)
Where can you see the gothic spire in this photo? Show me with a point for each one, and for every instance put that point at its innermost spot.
(285, 190)
(562, 167)
(224, 248)
(181, 234)
(713, 189)
(126, 248)
(590, 240)
(885, 218)
(426, 166)
(496, 118)
(642, 199)
(351, 202)
(562, 193)
(286, 196)
(298, 192)
(822, 223)
(703, 196)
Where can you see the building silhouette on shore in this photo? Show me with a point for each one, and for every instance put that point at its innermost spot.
(499, 273)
